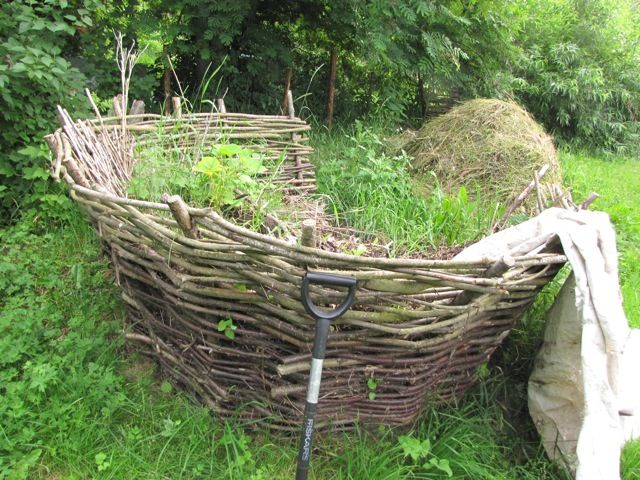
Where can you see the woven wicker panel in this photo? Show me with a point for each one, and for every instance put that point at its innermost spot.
(419, 327)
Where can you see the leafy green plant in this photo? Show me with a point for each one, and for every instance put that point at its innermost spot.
(372, 384)
(237, 451)
(228, 328)
(229, 177)
(358, 250)
(224, 177)
(230, 169)
(101, 461)
(420, 451)
(578, 70)
(170, 427)
(50, 349)
(161, 170)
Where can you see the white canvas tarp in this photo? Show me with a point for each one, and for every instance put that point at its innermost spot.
(584, 392)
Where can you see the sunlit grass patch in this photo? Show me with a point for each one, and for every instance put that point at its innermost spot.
(617, 180)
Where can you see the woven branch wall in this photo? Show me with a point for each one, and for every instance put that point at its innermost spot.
(419, 327)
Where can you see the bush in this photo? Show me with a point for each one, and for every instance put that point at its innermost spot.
(579, 71)
(34, 77)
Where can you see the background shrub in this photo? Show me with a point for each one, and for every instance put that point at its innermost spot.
(35, 75)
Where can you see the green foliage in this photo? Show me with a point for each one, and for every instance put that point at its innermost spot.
(159, 170)
(230, 168)
(35, 75)
(227, 169)
(52, 380)
(228, 328)
(574, 64)
(372, 385)
(430, 48)
(75, 404)
(420, 451)
(373, 191)
(631, 461)
(617, 180)
(101, 462)
(578, 71)
(250, 34)
(72, 403)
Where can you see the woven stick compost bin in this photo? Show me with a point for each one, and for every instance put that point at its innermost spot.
(419, 327)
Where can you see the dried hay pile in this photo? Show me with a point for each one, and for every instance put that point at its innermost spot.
(490, 146)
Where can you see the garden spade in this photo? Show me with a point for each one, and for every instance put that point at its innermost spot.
(322, 318)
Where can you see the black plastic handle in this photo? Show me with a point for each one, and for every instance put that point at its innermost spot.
(332, 280)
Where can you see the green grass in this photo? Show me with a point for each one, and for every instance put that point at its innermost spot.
(617, 180)
(631, 461)
(75, 403)
(371, 190)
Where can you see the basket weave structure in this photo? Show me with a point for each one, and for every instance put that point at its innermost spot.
(419, 327)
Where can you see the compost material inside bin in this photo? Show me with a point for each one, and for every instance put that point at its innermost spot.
(243, 180)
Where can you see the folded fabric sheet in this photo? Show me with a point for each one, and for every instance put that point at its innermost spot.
(584, 392)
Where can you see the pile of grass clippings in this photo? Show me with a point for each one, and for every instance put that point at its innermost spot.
(490, 146)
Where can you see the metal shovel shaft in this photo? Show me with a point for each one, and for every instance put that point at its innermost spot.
(322, 318)
(313, 390)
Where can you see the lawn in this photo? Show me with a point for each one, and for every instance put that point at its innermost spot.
(617, 180)
(76, 402)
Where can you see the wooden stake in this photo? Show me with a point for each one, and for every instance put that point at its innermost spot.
(117, 106)
(287, 87)
(295, 137)
(496, 270)
(166, 85)
(137, 108)
(177, 107)
(290, 109)
(593, 196)
(56, 147)
(539, 202)
(308, 233)
(180, 211)
(221, 107)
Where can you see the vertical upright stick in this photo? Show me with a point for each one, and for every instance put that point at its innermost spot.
(290, 110)
(308, 238)
(177, 107)
(287, 87)
(221, 106)
(295, 137)
(166, 82)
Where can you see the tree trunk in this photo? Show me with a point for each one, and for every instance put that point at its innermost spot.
(422, 99)
(332, 85)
